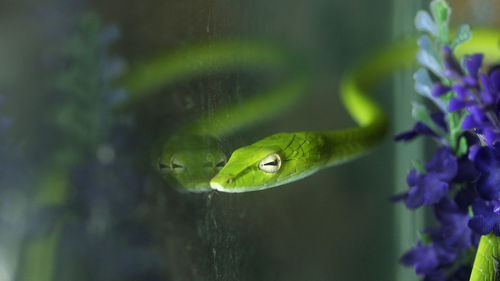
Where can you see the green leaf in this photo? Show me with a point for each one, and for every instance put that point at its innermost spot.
(424, 43)
(424, 22)
(441, 13)
(455, 120)
(427, 56)
(462, 147)
(419, 166)
(423, 86)
(423, 82)
(425, 238)
(463, 35)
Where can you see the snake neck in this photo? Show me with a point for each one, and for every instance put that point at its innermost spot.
(347, 144)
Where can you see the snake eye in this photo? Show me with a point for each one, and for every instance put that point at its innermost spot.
(176, 166)
(162, 166)
(271, 163)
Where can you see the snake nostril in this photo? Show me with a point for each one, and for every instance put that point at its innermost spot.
(229, 181)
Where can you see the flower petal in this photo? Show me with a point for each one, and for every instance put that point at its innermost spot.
(461, 91)
(456, 104)
(488, 185)
(469, 123)
(495, 80)
(443, 164)
(440, 89)
(436, 190)
(481, 225)
(473, 63)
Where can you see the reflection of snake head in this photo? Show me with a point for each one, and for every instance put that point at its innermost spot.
(189, 162)
(273, 161)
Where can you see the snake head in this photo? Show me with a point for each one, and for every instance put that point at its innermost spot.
(249, 168)
(189, 162)
(273, 161)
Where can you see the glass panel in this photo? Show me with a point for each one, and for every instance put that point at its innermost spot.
(115, 116)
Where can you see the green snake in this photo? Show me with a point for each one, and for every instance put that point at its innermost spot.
(485, 266)
(287, 157)
(193, 156)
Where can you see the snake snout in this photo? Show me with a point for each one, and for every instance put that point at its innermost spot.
(221, 182)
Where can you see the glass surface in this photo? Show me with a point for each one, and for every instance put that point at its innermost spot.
(81, 197)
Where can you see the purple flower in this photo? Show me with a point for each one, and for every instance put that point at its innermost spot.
(425, 189)
(480, 99)
(419, 129)
(426, 259)
(440, 89)
(482, 107)
(453, 232)
(449, 239)
(487, 162)
(423, 257)
(429, 188)
(443, 164)
(476, 119)
(422, 129)
(467, 171)
(476, 91)
(453, 184)
(473, 64)
(458, 104)
(486, 217)
(465, 197)
(453, 70)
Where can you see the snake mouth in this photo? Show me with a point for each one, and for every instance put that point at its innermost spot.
(221, 183)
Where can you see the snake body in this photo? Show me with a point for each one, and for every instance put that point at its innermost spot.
(287, 157)
(299, 154)
(485, 266)
(192, 155)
